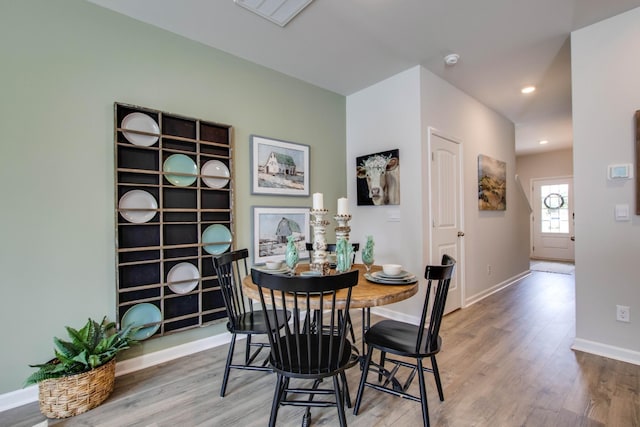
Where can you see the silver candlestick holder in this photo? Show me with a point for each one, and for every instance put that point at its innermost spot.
(319, 262)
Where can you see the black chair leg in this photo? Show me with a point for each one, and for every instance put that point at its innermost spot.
(345, 388)
(423, 394)
(383, 356)
(227, 367)
(339, 401)
(436, 374)
(277, 396)
(363, 379)
(247, 351)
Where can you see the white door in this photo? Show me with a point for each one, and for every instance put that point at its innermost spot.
(552, 222)
(446, 210)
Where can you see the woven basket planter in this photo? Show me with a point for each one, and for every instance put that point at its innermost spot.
(68, 396)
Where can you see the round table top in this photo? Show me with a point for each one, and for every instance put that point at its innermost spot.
(365, 293)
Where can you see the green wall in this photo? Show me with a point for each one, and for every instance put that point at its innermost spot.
(64, 64)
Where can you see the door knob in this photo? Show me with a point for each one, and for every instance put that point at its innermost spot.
(460, 234)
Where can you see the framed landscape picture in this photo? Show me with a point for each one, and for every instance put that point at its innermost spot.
(279, 167)
(492, 184)
(271, 229)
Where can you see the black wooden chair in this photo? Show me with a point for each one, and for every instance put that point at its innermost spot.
(301, 351)
(410, 341)
(231, 268)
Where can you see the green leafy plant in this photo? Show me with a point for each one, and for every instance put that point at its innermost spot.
(90, 347)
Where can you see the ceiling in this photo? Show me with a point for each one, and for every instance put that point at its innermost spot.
(347, 45)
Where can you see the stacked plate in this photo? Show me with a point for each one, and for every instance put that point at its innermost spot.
(404, 278)
(281, 270)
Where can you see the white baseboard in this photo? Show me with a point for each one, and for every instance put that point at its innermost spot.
(14, 399)
(605, 350)
(492, 290)
(394, 315)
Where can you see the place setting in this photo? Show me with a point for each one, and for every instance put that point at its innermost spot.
(391, 274)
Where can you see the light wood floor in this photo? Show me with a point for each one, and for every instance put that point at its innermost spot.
(506, 361)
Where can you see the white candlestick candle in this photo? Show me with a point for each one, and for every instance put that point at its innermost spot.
(343, 206)
(318, 201)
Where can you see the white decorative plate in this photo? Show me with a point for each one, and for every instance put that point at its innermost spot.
(140, 122)
(183, 278)
(137, 206)
(215, 168)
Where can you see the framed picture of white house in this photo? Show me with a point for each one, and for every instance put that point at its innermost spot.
(272, 227)
(279, 167)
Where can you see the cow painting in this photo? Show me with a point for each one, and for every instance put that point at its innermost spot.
(379, 178)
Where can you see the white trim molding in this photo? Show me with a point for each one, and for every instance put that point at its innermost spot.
(606, 350)
(496, 288)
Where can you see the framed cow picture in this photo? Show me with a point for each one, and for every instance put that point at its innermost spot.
(378, 178)
(272, 228)
(279, 167)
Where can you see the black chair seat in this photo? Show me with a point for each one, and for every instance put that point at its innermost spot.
(308, 360)
(255, 322)
(399, 338)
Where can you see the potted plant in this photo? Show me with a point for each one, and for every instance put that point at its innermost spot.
(81, 375)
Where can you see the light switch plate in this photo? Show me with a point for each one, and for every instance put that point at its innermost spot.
(622, 212)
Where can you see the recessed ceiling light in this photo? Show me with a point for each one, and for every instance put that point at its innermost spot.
(528, 89)
(542, 142)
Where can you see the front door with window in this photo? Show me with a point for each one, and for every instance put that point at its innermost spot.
(552, 222)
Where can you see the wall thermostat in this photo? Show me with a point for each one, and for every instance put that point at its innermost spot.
(620, 171)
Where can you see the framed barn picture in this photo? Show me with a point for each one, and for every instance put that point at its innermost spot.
(279, 167)
(378, 178)
(271, 229)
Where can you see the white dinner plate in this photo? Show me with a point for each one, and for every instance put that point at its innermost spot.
(215, 168)
(280, 270)
(137, 206)
(183, 278)
(376, 279)
(140, 122)
(403, 274)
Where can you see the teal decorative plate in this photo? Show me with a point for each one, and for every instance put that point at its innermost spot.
(142, 314)
(180, 170)
(220, 238)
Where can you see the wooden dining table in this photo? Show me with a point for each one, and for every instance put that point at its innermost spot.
(364, 295)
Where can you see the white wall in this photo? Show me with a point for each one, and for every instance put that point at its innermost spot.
(383, 117)
(396, 113)
(549, 164)
(496, 238)
(606, 93)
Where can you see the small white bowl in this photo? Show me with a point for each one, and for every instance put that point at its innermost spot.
(392, 269)
(273, 265)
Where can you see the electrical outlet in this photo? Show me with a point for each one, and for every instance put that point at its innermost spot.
(488, 269)
(622, 313)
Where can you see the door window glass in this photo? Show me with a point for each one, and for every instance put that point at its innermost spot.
(554, 208)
